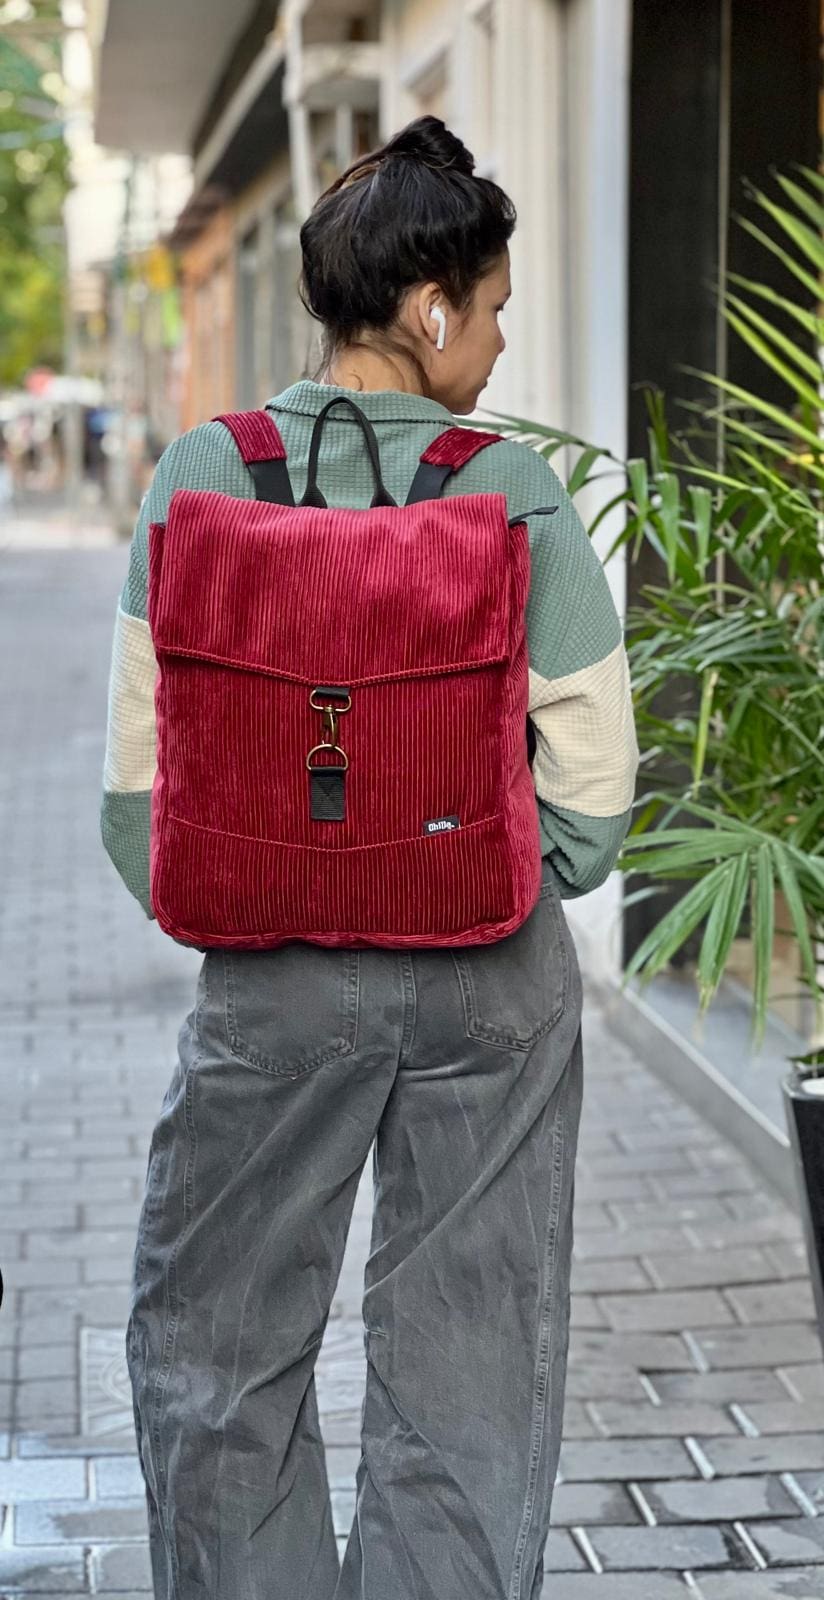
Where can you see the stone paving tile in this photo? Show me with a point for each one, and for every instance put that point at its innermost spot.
(342, 1463)
(623, 1163)
(720, 1499)
(795, 1583)
(746, 1206)
(54, 1428)
(665, 1312)
(585, 1312)
(789, 1416)
(68, 1241)
(35, 1173)
(99, 1306)
(771, 1345)
(578, 1424)
(783, 1542)
(669, 1213)
(636, 1586)
(597, 1277)
(611, 1244)
(39, 1398)
(42, 1273)
(592, 1381)
(774, 1302)
(813, 1485)
(788, 1257)
(107, 1269)
(43, 1571)
(705, 1269)
(561, 1553)
(113, 1477)
(614, 1188)
(618, 1421)
(708, 1183)
(340, 1431)
(119, 1567)
(35, 1446)
(577, 1503)
(588, 1218)
(42, 1480)
(778, 1226)
(647, 1351)
(48, 1361)
(784, 1452)
(654, 1138)
(626, 1459)
(56, 1328)
(676, 1547)
(69, 1522)
(55, 1216)
(742, 1385)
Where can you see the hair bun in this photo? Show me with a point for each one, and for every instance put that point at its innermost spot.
(428, 139)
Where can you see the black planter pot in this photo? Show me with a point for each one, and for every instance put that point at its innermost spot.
(804, 1109)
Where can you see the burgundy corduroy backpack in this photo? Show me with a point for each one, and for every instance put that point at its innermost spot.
(341, 709)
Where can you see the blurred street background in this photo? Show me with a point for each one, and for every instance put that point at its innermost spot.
(156, 163)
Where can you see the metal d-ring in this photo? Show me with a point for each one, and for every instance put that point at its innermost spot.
(331, 767)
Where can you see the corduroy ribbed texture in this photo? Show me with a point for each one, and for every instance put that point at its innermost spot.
(255, 434)
(419, 611)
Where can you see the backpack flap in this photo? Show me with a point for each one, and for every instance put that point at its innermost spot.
(332, 596)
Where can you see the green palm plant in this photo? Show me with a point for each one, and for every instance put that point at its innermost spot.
(732, 504)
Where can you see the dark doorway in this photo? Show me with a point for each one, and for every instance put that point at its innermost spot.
(722, 91)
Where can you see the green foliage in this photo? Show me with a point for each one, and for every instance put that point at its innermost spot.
(735, 626)
(33, 183)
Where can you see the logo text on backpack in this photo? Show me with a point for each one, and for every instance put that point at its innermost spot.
(442, 825)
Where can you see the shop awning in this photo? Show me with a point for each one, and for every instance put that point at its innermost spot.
(156, 68)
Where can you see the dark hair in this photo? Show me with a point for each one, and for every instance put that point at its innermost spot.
(410, 212)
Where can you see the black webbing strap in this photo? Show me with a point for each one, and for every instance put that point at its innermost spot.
(272, 482)
(428, 482)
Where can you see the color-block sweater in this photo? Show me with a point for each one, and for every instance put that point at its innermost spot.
(579, 697)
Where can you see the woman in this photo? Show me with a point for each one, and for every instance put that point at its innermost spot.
(464, 1066)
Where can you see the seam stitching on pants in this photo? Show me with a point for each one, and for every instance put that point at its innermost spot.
(170, 1330)
(410, 1006)
(544, 1348)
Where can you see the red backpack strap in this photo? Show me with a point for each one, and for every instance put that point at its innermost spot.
(451, 450)
(262, 448)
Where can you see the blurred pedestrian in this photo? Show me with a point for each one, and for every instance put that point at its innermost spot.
(6, 478)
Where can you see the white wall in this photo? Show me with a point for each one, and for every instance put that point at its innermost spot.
(559, 146)
(596, 142)
(94, 207)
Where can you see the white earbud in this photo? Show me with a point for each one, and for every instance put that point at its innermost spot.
(439, 316)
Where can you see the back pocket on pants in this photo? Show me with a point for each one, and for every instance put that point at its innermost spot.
(514, 990)
(291, 1009)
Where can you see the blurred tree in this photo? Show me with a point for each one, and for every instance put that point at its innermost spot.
(34, 178)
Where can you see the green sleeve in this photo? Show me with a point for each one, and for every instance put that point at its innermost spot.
(204, 458)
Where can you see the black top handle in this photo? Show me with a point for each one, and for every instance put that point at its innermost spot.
(313, 496)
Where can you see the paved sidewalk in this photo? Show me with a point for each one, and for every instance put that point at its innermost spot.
(693, 1461)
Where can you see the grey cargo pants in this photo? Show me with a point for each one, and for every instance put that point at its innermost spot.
(465, 1068)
